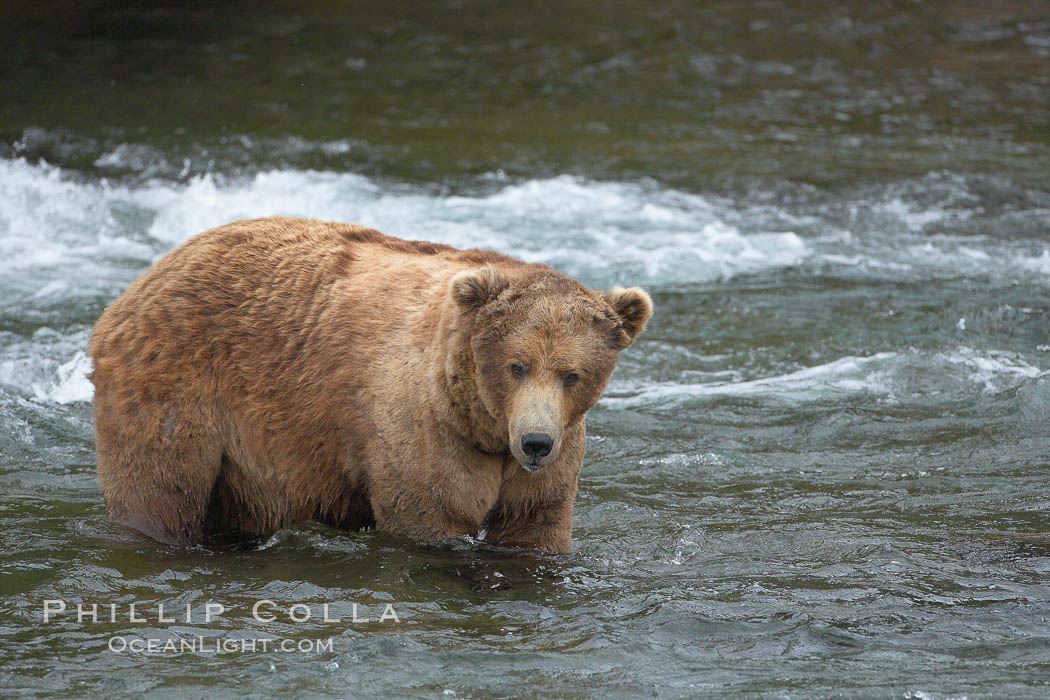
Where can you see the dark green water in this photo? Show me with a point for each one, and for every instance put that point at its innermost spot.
(821, 472)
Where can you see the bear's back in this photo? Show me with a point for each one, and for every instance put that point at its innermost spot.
(250, 301)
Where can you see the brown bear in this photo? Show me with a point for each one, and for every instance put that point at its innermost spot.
(279, 370)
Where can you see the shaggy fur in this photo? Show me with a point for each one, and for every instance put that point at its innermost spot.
(280, 370)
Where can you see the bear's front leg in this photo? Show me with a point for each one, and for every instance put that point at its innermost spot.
(545, 526)
(434, 496)
(421, 515)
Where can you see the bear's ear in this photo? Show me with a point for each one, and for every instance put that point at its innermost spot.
(472, 289)
(634, 307)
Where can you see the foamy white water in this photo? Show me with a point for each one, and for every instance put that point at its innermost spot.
(603, 232)
(887, 376)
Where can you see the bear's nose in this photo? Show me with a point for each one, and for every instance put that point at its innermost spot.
(537, 444)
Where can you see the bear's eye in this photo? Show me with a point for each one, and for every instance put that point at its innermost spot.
(570, 378)
(519, 370)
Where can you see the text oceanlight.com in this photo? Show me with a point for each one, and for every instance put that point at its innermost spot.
(202, 645)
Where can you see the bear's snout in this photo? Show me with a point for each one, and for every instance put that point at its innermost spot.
(535, 448)
(535, 426)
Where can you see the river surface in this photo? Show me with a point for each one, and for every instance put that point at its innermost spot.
(822, 471)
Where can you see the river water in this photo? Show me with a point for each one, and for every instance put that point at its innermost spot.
(821, 472)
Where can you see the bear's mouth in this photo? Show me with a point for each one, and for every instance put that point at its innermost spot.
(531, 465)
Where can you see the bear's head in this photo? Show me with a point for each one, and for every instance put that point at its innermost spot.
(543, 347)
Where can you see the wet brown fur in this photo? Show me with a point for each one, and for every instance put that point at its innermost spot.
(280, 370)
